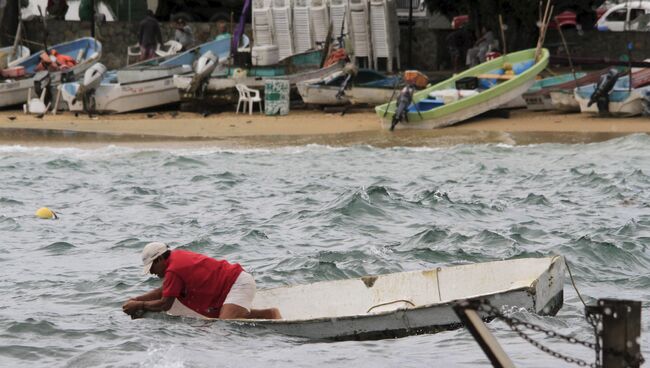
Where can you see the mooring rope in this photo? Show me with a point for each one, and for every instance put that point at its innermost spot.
(573, 282)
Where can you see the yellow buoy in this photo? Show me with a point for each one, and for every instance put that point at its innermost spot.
(45, 213)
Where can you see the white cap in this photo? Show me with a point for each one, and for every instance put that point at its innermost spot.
(150, 252)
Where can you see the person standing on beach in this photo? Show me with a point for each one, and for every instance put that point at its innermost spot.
(149, 36)
(477, 54)
(222, 32)
(212, 288)
(458, 42)
(183, 34)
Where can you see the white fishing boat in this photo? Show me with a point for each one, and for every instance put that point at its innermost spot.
(406, 303)
(140, 86)
(624, 99)
(85, 51)
(366, 87)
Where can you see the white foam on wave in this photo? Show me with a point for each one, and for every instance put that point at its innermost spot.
(185, 151)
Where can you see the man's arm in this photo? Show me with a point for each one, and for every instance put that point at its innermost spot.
(152, 295)
(160, 305)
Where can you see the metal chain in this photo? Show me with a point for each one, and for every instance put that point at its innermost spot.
(514, 324)
(593, 320)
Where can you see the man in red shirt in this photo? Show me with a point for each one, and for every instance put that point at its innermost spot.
(212, 288)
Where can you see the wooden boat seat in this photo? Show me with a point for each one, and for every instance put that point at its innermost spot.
(496, 76)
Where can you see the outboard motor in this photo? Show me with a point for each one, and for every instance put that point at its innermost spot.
(350, 70)
(86, 91)
(601, 93)
(404, 100)
(202, 71)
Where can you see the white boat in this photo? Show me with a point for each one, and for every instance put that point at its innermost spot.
(86, 51)
(406, 303)
(366, 87)
(13, 57)
(623, 100)
(143, 85)
(220, 85)
(564, 101)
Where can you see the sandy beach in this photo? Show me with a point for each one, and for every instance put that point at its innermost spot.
(360, 126)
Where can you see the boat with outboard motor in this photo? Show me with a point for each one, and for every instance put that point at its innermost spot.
(139, 86)
(84, 52)
(406, 303)
(625, 98)
(350, 86)
(470, 93)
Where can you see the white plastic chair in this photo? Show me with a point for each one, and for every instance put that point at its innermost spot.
(132, 51)
(36, 105)
(170, 47)
(248, 96)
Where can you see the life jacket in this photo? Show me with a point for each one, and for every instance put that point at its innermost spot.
(65, 61)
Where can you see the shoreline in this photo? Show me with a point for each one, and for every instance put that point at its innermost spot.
(356, 127)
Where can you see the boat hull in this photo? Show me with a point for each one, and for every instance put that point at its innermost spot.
(370, 96)
(630, 106)
(564, 101)
(116, 98)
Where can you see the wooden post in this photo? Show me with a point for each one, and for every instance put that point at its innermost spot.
(503, 35)
(466, 312)
(568, 54)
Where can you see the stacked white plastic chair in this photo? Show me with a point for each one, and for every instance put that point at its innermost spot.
(262, 22)
(382, 31)
(359, 31)
(302, 35)
(319, 15)
(385, 32)
(281, 11)
(339, 11)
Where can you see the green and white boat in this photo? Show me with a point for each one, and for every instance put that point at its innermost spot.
(443, 104)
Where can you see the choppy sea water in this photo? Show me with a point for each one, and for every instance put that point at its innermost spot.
(304, 214)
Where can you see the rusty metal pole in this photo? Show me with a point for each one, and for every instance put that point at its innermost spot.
(618, 332)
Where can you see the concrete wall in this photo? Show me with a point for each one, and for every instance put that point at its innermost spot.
(429, 51)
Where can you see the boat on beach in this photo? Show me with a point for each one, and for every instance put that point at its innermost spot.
(406, 303)
(624, 99)
(538, 97)
(85, 51)
(495, 87)
(222, 81)
(366, 87)
(561, 95)
(142, 85)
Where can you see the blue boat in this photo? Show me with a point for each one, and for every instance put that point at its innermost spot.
(85, 51)
(143, 85)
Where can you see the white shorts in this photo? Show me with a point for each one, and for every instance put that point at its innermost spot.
(242, 291)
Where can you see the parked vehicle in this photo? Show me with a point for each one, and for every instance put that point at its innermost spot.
(620, 17)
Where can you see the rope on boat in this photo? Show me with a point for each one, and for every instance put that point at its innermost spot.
(566, 263)
(387, 303)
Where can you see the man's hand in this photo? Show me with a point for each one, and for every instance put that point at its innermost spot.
(132, 307)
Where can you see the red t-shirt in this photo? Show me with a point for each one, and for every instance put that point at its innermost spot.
(200, 282)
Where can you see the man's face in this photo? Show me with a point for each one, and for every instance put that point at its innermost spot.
(158, 267)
